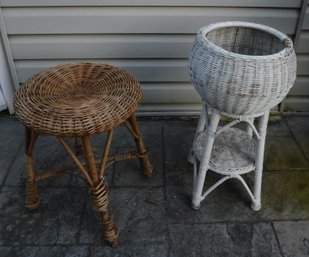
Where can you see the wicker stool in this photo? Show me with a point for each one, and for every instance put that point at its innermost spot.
(241, 70)
(79, 100)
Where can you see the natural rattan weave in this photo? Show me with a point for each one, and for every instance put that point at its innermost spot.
(78, 100)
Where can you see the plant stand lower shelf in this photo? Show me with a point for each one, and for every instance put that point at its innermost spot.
(232, 154)
(228, 151)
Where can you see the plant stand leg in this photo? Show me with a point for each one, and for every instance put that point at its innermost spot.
(248, 127)
(202, 124)
(144, 160)
(32, 198)
(262, 129)
(198, 185)
(99, 192)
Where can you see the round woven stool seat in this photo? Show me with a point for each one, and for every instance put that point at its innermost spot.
(77, 99)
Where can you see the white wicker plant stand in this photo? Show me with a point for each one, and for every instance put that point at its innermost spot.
(241, 70)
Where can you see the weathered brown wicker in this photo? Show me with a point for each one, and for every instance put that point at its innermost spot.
(78, 100)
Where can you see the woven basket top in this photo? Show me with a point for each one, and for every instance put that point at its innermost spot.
(221, 36)
(242, 68)
(77, 99)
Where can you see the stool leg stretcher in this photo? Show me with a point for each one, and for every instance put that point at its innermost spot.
(94, 177)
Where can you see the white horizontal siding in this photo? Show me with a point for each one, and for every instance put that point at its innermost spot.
(173, 93)
(306, 21)
(301, 87)
(128, 20)
(296, 104)
(226, 3)
(170, 108)
(151, 39)
(303, 46)
(303, 64)
(34, 47)
(150, 70)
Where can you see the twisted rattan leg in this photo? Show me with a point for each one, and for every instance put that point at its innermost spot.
(100, 194)
(144, 160)
(32, 198)
(100, 201)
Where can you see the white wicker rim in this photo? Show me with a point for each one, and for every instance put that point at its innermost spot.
(242, 75)
(286, 41)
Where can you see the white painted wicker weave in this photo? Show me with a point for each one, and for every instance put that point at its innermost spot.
(242, 68)
(233, 151)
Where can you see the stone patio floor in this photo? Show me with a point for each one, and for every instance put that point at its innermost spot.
(154, 216)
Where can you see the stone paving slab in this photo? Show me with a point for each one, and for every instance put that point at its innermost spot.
(298, 125)
(139, 214)
(129, 172)
(154, 215)
(22, 251)
(283, 153)
(284, 196)
(220, 206)
(152, 249)
(224, 240)
(11, 139)
(56, 221)
(300, 129)
(278, 128)
(46, 251)
(178, 139)
(293, 237)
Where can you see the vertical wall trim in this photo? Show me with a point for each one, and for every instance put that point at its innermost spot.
(8, 77)
(6, 82)
(8, 53)
(298, 31)
(300, 23)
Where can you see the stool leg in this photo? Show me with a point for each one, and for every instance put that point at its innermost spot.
(100, 194)
(262, 129)
(204, 165)
(147, 167)
(32, 198)
(78, 146)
